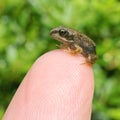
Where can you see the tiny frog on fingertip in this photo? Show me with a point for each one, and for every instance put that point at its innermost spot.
(75, 42)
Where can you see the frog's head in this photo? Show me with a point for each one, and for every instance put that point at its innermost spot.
(63, 34)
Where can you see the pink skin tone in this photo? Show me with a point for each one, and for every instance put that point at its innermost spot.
(57, 87)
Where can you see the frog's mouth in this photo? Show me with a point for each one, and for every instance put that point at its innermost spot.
(55, 35)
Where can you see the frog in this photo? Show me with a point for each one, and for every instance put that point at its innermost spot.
(75, 42)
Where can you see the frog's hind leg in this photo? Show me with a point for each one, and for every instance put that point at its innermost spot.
(88, 60)
(91, 58)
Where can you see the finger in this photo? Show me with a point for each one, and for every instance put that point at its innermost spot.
(57, 87)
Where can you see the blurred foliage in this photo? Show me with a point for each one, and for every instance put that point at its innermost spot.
(24, 36)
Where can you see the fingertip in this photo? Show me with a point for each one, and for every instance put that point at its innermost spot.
(54, 75)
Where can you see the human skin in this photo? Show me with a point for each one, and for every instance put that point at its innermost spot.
(57, 87)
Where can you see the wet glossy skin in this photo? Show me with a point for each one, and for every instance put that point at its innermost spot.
(76, 42)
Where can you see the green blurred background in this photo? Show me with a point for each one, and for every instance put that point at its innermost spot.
(24, 36)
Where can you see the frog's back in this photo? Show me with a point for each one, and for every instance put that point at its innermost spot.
(88, 46)
(85, 43)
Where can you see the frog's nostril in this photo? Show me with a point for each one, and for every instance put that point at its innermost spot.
(53, 32)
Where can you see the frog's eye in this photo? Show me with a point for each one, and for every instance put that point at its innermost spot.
(63, 32)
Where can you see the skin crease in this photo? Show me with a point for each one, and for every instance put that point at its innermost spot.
(57, 87)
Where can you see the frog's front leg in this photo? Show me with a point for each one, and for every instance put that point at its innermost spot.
(66, 48)
(76, 49)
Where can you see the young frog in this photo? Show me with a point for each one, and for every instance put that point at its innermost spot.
(75, 42)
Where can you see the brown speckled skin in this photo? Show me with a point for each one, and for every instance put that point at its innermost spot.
(75, 40)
